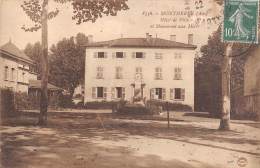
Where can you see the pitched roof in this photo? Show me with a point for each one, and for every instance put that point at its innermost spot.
(141, 43)
(13, 51)
(36, 84)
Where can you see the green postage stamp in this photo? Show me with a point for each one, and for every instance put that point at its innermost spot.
(240, 21)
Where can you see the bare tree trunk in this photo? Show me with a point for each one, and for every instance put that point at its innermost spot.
(226, 104)
(44, 66)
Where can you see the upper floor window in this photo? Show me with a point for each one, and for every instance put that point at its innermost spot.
(158, 73)
(177, 55)
(177, 73)
(190, 38)
(100, 55)
(23, 77)
(138, 55)
(6, 73)
(119, 74)
(12, 74)
(139, 71)
(119, 55)
(158, 55)
(99, 73)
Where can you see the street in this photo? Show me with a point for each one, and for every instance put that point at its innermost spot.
(102, 140)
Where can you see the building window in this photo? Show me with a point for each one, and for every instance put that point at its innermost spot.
(12, 74)
(99, 92)
(158, 55)
(119, 55)
(119, 74)
(177, 73)
(179, 93)
(23, 77)
(6, 73)
(100, 73)
(138, 55)
(100, 55)
(158, 93)
(158, 73)
(139, 72)
(177, 55)
(190, 38)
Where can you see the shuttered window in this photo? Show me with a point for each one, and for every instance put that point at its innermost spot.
(152, 93)
(6, 73)
(158, 73)
(100, 71)
(177, 73)
(119, 73)
(138, 54)
(100, 54)
(94, 92)
(113, 91)
(179, 94)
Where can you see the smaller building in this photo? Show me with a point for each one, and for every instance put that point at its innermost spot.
(246, 100)
(252, 82)
(34, 93)
(16, 68)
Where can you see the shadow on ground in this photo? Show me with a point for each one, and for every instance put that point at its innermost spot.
(67, 141)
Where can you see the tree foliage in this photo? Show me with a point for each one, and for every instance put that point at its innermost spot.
(67, 62)
(83, 10)
(208, 71)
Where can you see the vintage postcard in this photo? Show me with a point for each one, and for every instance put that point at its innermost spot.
(129, 84)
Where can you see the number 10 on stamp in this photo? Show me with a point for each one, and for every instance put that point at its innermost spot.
(240, 21)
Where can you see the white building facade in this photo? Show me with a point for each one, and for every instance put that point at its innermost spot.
(152, 68)
(16, 69)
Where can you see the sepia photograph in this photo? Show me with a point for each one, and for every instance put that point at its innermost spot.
(129, 84)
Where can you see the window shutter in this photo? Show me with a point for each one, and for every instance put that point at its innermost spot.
(94, 92)
(113, 54)
(163, 93)
(152, 93)
(144, 54)
(105, 54)
(133, 55)
(124, 54)
(95, 54)
(104, 92)
(112, 93)
(123, 93)
(171, 94)
(182, 94)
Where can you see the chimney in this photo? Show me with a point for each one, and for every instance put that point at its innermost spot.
(90, 38)
(190, 38)
(173, 37)
(148, 37)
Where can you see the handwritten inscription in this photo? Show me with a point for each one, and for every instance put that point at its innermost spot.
(190, 17)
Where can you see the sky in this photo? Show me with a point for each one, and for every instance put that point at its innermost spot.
(135, 22)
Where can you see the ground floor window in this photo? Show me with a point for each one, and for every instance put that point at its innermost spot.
(177, 93)
(98, 92)
(158, 93)
(118, 92)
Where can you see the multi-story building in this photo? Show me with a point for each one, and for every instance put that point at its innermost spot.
(140, 68)
(16, 68)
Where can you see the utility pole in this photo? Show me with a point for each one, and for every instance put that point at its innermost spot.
(226, 96)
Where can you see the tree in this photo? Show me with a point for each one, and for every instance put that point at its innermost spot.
(67, 60)
(34, 52)
(83, 11)
(216, 76)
